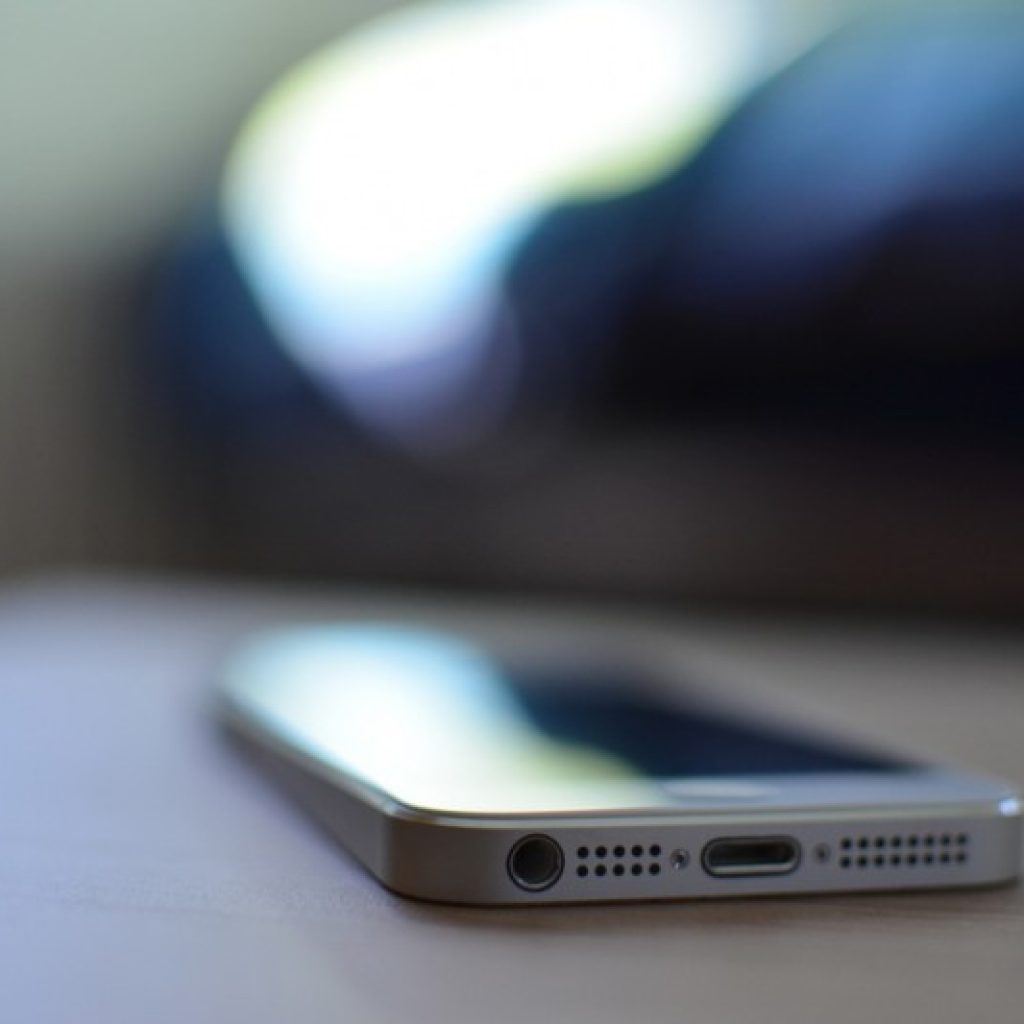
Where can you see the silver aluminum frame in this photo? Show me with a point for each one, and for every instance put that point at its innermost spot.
(973, 823)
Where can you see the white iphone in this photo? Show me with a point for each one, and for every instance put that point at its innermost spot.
(532, 773)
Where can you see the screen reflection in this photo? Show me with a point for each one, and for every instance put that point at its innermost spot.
(435, 722)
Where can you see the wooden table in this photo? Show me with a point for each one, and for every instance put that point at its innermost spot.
(146, 874)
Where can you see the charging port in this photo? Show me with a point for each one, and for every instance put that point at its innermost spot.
(751, 855)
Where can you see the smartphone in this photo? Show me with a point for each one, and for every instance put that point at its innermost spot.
(532, 773)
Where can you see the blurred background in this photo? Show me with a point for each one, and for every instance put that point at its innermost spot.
(663, 299)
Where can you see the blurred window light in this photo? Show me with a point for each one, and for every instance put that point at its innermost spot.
(376, 195)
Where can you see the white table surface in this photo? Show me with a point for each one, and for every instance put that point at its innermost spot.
(147, 874)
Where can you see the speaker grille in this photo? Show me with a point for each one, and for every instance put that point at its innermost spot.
(618, 861)
(913, 850)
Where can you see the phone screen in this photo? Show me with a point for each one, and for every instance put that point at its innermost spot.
(663, 737)
(437, 721)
